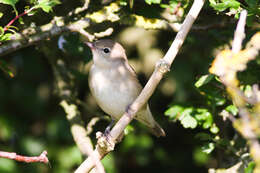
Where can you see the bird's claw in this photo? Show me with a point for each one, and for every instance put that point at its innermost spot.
(105, 141)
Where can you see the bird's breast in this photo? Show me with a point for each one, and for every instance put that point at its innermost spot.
(113, 89)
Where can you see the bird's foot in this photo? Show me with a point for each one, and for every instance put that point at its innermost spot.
(105, 141)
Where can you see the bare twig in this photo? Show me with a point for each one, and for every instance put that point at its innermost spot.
(17, 17)
(41, 158)
(161, 67)
(239, 33)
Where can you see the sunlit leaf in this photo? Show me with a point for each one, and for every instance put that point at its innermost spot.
(232, 109)
(225, 5)
(208, 147)
(204, 80)
(214, 129)
(5, 37)
(153, 1)
(9, 2)
(47, 5)
(174, 111)
(187, 120)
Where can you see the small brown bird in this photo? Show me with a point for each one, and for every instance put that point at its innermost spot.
(114, 84)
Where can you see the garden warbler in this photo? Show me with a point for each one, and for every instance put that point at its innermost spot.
(114, 84)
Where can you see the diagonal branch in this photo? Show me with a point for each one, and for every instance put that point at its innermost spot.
(161, 68)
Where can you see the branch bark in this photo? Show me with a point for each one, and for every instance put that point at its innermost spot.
(41, 158)
(161, 68)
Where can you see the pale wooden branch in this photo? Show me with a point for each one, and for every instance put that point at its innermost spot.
(28, 159)
(161, 68)
(239, 33)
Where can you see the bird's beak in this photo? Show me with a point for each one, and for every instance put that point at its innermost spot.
(90, 45)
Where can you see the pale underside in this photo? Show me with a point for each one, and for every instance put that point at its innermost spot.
(116, 88)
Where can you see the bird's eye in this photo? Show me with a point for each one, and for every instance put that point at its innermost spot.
(106, 50)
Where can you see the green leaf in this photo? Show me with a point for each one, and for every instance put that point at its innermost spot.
(250, 167)
(123, 2)
(225, 5)
(1, 14)
(174, 111)
(252, 3)
(232, 109)
(153, 1)
(204, 80)
(5, 37)
(214, 129)
(47, 5)
(9, 2)
(187, 120)
(208, 148)
(4, 67)
(204, 117)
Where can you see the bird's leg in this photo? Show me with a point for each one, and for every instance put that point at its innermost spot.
(108, 128)
(104, 140)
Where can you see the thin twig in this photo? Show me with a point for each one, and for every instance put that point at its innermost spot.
(41, 158)
(161, 67)
(17, 17)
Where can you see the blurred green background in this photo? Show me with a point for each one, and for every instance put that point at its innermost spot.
(31, 119)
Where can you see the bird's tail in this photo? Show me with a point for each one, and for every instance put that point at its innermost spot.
(145, 116)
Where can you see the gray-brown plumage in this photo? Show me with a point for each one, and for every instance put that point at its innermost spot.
(114, 84)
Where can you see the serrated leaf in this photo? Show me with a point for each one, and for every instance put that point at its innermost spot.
(232, 109)
(4, 67)
(208, 148)
(174, 111)
(187, 120)
(204, 80)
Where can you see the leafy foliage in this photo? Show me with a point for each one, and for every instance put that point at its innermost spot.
(47, 5)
